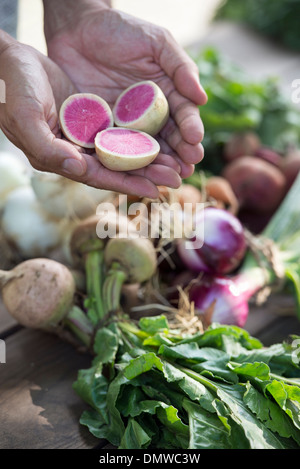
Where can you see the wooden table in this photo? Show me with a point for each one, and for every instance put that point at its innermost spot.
(38, 407)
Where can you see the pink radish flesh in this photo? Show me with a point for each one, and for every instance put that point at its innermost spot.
(121, 149)
(142, 106)
(83, 116)
(126, 142)
(133, 104)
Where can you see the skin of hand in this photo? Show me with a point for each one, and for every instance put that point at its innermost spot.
(35, 89)
(104, 50)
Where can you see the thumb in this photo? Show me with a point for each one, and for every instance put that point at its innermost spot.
(46, 152)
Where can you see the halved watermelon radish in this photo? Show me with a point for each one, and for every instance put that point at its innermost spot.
(82, 116)
(143, 106)
(122, 149)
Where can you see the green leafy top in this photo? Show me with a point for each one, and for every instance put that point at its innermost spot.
(218, 389)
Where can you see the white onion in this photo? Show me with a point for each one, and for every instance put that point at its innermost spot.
(65, 198)
(13, 173)
(27, 226)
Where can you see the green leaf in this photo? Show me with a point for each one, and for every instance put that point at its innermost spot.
(288, 398)
(142, 364)
(206, 429)
(231, 339)
(252, 370)
(154, 324)
(134, 436)
(270, 414)
(257, 434)
(106, 343)
(168, 415)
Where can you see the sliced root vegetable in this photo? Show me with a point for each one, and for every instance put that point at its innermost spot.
(64, 198)
(38, 292)
(82, 116)
(142, 106)
(28, 227)
(121, 149)
(257, 184)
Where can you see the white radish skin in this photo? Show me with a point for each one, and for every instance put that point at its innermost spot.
(120, 149)
(82, 115)
(152, 118)
(64, 198)
(136, 257)
(38, 292)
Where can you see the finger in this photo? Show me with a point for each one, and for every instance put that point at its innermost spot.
(186, 169)
(190, 154)
(46, 151)
(160, 175)
(168, 160)
(181, 69)
(187, 117)
(118, 181)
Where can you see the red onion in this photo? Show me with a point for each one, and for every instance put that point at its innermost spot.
(223, 245)
(224, 300)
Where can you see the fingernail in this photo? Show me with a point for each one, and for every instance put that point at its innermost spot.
(73, 167)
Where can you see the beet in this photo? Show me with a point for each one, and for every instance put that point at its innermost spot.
(290, 167)
(257, 184)
(240, 144)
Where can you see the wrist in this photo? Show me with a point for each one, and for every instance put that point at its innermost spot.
(61, 14)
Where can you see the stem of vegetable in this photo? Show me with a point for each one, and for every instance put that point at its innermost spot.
(112, 287)
(201, 379)
(94, 281)
(79, 324)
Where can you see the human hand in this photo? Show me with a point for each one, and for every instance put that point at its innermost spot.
(35, 89)
(29, 117)
(104, 51)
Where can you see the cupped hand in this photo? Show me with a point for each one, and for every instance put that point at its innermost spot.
(35, 89)
(103, 51)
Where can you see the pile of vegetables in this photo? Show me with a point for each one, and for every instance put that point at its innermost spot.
(151, 385)
(162, 318)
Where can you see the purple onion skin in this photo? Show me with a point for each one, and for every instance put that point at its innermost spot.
(224, 243)
(227, 296)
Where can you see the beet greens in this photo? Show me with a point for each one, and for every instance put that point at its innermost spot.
(149, 386)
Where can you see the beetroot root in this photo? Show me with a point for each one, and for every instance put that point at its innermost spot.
(257, 184)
